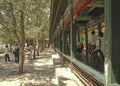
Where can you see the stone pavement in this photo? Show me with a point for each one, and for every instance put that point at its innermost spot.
(46, 70)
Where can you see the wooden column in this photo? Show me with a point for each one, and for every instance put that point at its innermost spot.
(78, 36)
(72, 33)
(86, 38)
(63, 36)
(112, 54)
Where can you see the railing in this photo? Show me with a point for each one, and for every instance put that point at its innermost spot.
(87, 79)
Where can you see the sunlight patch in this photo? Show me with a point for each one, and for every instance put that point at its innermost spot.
(10, 83)
(55, 56)
(42, 64)
(63, 72)
(55, 81)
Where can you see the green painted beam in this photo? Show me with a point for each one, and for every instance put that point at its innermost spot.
(112, 54)
(115, 19)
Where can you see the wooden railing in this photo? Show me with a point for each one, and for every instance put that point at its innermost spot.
(84, 77)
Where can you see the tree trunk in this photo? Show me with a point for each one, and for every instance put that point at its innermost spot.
(38, 50)
(42, 46)
(20, 71)
(14, 22)
(22, 57)
(34, 56)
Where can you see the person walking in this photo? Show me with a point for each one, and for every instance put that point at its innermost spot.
(98, 55)
(31, 50)
(16, 53)
(7, 58)
(92, 45)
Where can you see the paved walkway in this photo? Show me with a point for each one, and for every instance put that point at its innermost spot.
(46, 70)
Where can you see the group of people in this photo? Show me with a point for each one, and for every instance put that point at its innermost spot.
(15, 52)
(95, 50)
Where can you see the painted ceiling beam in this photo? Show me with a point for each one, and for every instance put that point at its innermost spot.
(76, 10)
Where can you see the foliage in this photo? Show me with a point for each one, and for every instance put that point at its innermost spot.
(36, 19)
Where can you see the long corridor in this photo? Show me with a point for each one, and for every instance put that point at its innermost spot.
(47, 69)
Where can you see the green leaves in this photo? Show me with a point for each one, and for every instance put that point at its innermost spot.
(36, 17)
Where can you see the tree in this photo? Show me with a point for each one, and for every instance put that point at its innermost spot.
(22, 19)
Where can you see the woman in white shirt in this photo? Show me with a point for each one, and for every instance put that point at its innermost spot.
(7, 58)
(98, 54)
(92, 45)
